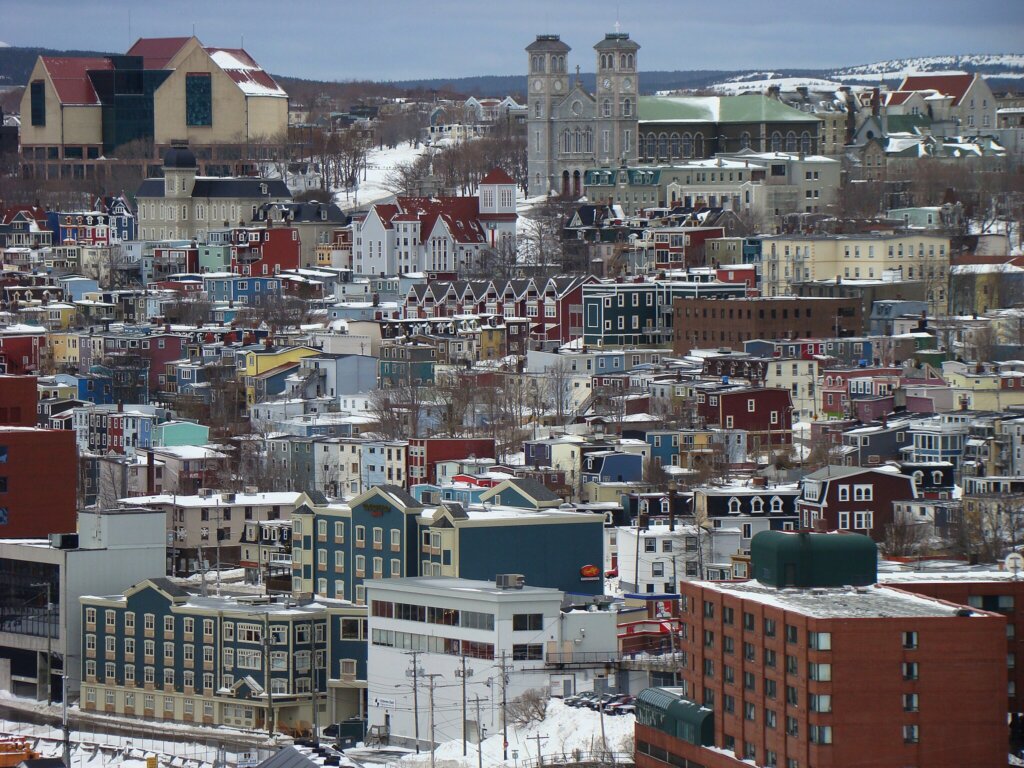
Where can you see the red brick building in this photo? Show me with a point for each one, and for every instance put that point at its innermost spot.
(766, 413)
(18, 400)
(38, 482)
(700, 322)
(996, 591)
(799, 672)
(855, 499)
(425, 452)
(264, 251)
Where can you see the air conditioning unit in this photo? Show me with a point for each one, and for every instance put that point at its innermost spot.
(509, 581)
(206, 493)
(227, 498)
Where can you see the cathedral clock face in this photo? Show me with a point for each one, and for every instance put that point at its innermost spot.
(577, 107)
(558, 85)
(606, 83)
(537, 85)
(627, 84)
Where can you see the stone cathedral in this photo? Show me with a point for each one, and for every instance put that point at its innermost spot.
(571, 130)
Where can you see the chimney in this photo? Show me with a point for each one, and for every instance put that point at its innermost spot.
(876, 102)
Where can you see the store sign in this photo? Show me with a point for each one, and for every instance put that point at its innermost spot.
(590, 573)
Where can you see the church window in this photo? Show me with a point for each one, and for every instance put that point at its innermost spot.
(538, 109)
(674, 145)
(745, 140)
(776, 142)
(805, 143)
(578, 141)
(566, 141)
(588, 140)
(627, 107)
(606, 108)
(698, 144)
(791, 141)
(662, 145)
(687, 145)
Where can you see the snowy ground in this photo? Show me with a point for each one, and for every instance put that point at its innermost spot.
(379, 163)
(564, 730)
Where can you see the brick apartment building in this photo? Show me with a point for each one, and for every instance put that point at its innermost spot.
(18, 401)
(703, 322)
(997, 591)
(798, 670)
(858, 499)
(424, 453)
(38, 482)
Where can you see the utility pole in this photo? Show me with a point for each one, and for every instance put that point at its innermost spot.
(463, 674)
(504, 705)
(267, 670)
(540, 755)
(479, 735)
(415, 696)
(430, 687)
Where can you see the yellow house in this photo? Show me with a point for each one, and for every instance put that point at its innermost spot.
(64, 349)
(985, 390)
(262, 361)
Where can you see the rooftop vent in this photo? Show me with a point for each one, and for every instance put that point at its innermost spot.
(509, 581)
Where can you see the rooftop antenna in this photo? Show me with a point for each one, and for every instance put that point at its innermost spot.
(129, 26)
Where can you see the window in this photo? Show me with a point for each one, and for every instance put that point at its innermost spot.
(819, 702)
(360, 535)
(522, 622)
(844, 493)
(909, 640)
(910, 670)
(198, 99)
(528, 652)
(821, 734)
(910, 702)
(911, 734)
(820, 641)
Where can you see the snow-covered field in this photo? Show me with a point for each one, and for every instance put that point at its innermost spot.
(564, 730)
(379, 163)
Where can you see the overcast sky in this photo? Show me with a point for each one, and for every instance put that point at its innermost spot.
(406, 39)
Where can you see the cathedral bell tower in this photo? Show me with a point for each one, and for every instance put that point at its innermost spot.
(616, 95)
(547, 83)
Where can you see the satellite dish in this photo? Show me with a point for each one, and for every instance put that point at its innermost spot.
(1014, 562)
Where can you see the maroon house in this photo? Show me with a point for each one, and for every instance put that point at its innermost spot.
(158, 348)
(855, 499)
(19, 349)
(264, 251)
(766, 413)
(425, 452)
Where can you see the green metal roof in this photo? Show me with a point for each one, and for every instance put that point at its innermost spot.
(671, 713)
(745, 108)
(805, 559)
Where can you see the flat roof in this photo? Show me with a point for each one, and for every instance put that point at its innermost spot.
(876, 602)
(443, 584)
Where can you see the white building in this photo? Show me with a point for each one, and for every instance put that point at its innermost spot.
(444, 623)
(668, 556)
(113, 549)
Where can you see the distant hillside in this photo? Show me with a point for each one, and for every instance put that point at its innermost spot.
(16, 63)
(1005, 71)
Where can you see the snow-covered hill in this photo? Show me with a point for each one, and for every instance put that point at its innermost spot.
(990, 64)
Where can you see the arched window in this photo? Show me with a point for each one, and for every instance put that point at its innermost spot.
(805, 143)
(665, 508)
(622, 61)
(588, 140)
(791, 142)
(734, 506)
(629, 60)
(651, 146)
(745, 140)
(776, 505)
(662, 145)
(918, 478)
(937, 477)
(757, 505)
(627, 107)
(776, 142)
(606, 108)
(538, 109)
(698, 144)
(674, 145)
(560, 63)
(565, 140)
(538, 63)
(687, 145)
(578, 141)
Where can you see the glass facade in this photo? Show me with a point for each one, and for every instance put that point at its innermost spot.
(198, 99)
(23, 606)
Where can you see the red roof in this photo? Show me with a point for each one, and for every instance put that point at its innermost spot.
(893, 98)
(497, 176)
(157, 51)
(71, 79)
(243, 69)
(26, 211)
(948, 85)
(459, 214)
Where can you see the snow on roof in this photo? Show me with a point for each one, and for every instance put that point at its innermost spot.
(246, 73)
(284, 498)
(839, 603)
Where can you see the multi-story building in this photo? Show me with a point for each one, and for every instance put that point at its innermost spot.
(704, 322)
(186, 206)
(158, 651)
(41, 628)
(163, 89)
(790, 259)
(442, 235)
(569, 130)
(655, 558)
(858, 499)
(464, 627)
(38, 481)
(815, 664)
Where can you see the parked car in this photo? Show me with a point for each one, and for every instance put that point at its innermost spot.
(597, 704)
(624, 709)
(580, 699)
(615, 706)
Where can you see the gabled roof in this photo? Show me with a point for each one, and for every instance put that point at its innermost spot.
(497, 176)
(70, 77)
(460, 216)
(247, 74)
(157, 51)
(948, 85)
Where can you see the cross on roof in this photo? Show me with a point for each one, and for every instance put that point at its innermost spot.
(617, 26)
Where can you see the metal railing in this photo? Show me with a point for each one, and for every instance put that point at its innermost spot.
(580, 758)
